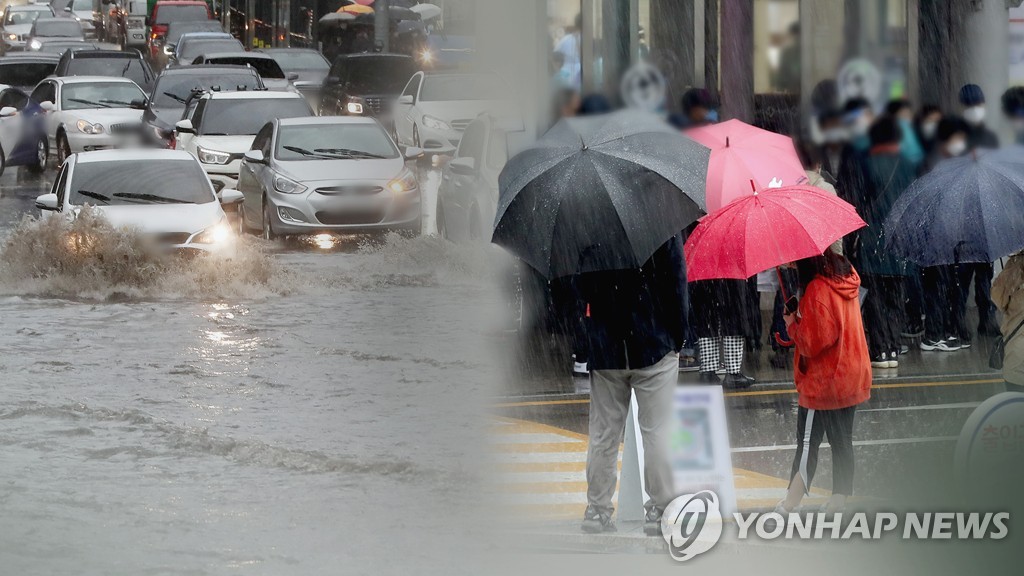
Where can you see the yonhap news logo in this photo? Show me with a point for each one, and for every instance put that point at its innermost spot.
(692, 524)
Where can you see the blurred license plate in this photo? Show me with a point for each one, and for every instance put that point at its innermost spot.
(138, 36)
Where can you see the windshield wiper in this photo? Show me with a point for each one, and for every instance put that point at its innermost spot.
(106, 101)
(176, 97)
(350, 153)
(150, 197)
(88, 102)
(95, 195)
(308, 153)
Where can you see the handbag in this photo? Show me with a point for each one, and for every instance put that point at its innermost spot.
(995, 358)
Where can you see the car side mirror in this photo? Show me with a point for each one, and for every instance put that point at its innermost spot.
(255, 156)
(413, 153)
(465, 166)
(185, 127)
(407, 99)
(229, 196)
(292, 76)
(68, 8)
(47, 106)
(47, 202)
(8, 111)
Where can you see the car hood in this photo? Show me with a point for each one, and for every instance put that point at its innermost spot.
(340, 170)
(230, 144)
(19, 29)
(164, 218)
(165, 118)
(106, 116)
(310, 76)
(463, 109)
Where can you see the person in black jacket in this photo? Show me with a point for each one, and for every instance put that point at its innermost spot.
(972, 99)
(637, 324)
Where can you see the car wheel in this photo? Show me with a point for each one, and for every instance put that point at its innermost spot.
(268, 225)
(63, 148)
(42, 156)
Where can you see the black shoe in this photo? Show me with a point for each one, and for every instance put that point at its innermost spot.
(652, 522)
(595, 522)
(737, 381)
(709, 378)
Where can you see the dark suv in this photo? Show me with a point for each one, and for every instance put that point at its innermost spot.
(365, 84)
(128, 64)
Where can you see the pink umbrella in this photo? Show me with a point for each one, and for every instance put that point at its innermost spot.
(364, 2)
(741, 154)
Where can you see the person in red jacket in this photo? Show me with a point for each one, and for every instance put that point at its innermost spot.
(833, 373)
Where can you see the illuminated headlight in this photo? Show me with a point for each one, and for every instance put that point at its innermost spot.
(426, 56)
(35, 44)
(212, 156)
(89, 128)
(287, 185)
(11, 36)
(405, 182)
(354, 108)
(168, 49)
(216, 234)
(435, 123)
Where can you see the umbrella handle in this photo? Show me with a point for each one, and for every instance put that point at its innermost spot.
(781, 342)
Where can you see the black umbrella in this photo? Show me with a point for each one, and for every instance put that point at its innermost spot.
(967, 209)
(600, 193)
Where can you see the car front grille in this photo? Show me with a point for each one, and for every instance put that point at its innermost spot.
(460, 125)
(173, 237)
(125, 128)
(375, 104)
(353, 217)
(354, 190)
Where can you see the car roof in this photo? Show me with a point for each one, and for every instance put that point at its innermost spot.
(45, 19)
(250, 95)
(205, 34)
(290, 49)
(90, 79)
(24, 7)
(198, 69)
(253, 55)
(133, 155)
(21, 57)
(326, 120)
(106, 54)
(179, 3)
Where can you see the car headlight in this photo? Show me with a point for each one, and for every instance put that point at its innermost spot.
(287, 185)
(12, 36)
(354, 108)
(435, 123)
(404, 182)
(87, 127)
(168, 49)
(207, 156)
(35, 44)
(216, 234)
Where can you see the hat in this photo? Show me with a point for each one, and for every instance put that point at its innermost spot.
(971, 95)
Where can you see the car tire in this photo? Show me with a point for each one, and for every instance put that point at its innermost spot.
(267, 227)
(42, 156)
(63, 148)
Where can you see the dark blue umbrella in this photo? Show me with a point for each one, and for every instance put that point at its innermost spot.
(967, 209)
(600, 193)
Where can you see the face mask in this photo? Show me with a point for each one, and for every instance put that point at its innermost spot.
(928, 129)
(974, 115)
(712, 116)
(834, 135)
(956, 147)
(861, 125)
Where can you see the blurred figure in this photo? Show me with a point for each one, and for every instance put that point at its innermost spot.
(814, 167)
(569, 48)
(1008, 293)
(698, 110)
(972, 101)
(887, 174)
(858, 117)
(1013, 108)
(594, 104)
(833, 147)
(567, 103)
(901, 110)
(787, 78)
(926, 126)
(950, 141)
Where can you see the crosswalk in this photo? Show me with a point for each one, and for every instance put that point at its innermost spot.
(541, 473)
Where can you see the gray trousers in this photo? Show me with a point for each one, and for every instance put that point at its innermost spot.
(609, 404)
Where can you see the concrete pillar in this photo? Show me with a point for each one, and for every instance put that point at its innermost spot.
(674, 46)
(737, 59)
(985, 57)
(250, 23)
(382, 25)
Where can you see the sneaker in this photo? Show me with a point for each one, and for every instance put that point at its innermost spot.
(880, 361)
(904, 349)
(737, 381)
(688, 364)
(894, 361)
(595, 522)
(652, 522)
(950, 345)
(580, 369)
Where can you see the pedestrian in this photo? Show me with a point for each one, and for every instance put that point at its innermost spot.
(926, 126)
(833, 149)
(832, 373)
(910, 146)
(1013, 108)
(1008, 293)
(638, 319)
(972, 101)
(945, 325)
(858, 117)
(887, 175)
(698, 110)
(721, 315)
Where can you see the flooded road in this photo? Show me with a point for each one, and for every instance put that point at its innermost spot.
(318, 415)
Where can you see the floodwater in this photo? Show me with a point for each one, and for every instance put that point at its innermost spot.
(290, 410)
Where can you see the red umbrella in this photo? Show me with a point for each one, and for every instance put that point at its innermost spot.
(766, 229)
(741, 153)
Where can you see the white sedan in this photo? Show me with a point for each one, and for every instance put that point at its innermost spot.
(163, 193)
(86, 113)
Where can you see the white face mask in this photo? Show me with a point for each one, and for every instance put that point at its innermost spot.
(956, 147)
(834, 135)
(928, 129)
(974, 115)
(861, 125)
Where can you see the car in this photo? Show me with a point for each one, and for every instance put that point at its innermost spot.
(114, 63)
(26, 69)
(194, 44)
(435, 109)
(85, 12)
(327, 175)
(174, 86)
(166, 11)
(162, 193)
(17, 22)
(309, 66)
(59, 47)
(84, 113)
(365, 84)
(175, 30)
(468, 194)
(268, 69)
(220, 127)
(22, 140)
(44, 29)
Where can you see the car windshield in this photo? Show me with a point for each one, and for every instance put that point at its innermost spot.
(59, 28)
(265, 67)
(130, 68)
(229, 117)
(172, 91)
(170, 13)
(328, 141)
(119, 183)
(99, 95)
(461, 87)
(372, 75)
(25, 73)
(300, 60)
(26, 15)
(81, 5)
(193, 48)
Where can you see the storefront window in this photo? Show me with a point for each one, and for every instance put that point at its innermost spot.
(777, 46)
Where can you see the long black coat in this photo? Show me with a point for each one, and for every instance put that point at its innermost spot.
(723, 308)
